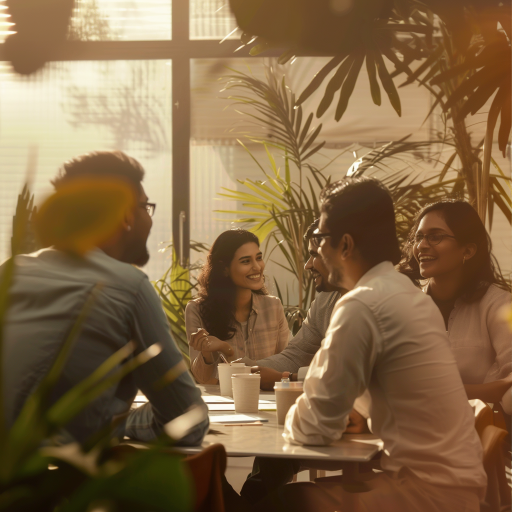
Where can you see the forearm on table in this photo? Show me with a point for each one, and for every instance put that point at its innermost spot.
(204, 373)
(491, 392)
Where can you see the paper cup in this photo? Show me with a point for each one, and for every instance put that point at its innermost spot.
(246, 391)
(286, 395)
(225, 372)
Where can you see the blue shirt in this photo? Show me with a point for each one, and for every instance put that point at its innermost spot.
(48, 292)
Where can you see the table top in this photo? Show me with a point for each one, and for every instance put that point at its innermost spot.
(267, 440)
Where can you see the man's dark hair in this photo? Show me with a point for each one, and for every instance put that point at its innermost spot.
(312, 228)
(101, 163)
(363, 208)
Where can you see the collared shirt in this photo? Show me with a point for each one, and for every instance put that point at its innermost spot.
(388, 336)
(299, 353)
(305, 344)
(267, 328)
(47, 294)
(480, 337)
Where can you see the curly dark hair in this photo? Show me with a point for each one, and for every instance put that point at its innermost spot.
(481, 270)
(217, 291)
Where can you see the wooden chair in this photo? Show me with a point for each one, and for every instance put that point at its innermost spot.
(484, 415)
(498, 493)
(206, 470)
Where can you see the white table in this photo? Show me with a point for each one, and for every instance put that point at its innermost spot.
(266, 440)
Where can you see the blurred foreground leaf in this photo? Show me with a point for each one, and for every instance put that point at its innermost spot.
(83, 213)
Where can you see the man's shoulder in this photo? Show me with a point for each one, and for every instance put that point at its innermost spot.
(385, 288)
(95, 266)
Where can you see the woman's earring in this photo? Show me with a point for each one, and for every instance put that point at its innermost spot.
(464, 260)
(128, 228)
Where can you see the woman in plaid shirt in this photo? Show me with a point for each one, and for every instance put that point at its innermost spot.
(233, 314)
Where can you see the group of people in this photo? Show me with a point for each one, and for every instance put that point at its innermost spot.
(404, 337)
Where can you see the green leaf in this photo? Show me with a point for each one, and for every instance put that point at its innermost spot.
(320, 77)
(348, 86)
(334, 85)
(429, 61)
(150, 480)
(305, 130)
(387, 83)
(311, 139)
(447, 166)
(314, 150)
(263, 229)
(372, 77)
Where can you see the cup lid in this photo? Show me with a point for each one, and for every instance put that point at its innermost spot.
(237, 365)
(288, 385)
(246, 376)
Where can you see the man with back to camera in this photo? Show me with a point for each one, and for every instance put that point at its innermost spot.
(48, 292)
(293, 362)
(387, 336)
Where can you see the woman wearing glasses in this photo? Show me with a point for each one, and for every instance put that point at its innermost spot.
(233, 315)
(450, 249)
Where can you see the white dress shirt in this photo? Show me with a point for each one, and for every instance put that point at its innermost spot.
(389, 337)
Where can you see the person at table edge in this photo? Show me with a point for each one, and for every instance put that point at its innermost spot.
(47, 294)
(450, 248)
(387, 336)
(233, 314)
(293, 362)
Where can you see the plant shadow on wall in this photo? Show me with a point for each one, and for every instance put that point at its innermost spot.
(39, 474)
(279, 208)
(129, 108)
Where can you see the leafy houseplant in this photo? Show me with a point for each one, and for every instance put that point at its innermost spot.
(463, 67)
(175, 289)
(280, 208)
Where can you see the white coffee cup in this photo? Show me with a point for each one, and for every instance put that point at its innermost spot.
(225, 372)
(286, 395)
(246, 391)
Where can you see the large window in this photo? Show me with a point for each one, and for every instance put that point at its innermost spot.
(76, 107)
(143, 76)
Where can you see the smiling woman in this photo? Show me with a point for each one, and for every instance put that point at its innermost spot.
(233, 316)
(450, 248)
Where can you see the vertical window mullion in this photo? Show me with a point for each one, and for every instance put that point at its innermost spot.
(181, 129)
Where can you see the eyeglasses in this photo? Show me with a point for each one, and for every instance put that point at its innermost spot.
(319, 237)
(150, 208)
(432, 239)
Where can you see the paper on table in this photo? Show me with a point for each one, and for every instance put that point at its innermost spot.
(213, 399)
(236, 418)
(265, 406)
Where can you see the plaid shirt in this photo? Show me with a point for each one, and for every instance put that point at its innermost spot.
(305, 344)
(267, 328)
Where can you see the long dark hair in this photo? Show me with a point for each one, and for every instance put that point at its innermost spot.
(217, 291)
(481, 270)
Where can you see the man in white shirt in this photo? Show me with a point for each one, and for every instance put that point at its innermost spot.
(387, 336)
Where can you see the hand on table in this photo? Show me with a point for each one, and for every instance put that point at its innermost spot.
(269, 377)
(202, 341)
(357, 424)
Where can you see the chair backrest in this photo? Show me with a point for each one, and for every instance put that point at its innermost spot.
(484, 415)
(206, 470)
(492, 442)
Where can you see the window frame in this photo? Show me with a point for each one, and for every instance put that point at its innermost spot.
(180, 50)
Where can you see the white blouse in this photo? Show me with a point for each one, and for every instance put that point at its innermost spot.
(480, 338)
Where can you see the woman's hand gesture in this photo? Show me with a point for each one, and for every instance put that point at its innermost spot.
(203, 342)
